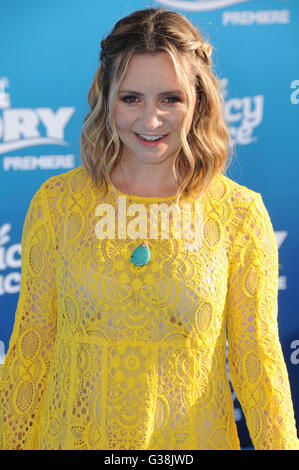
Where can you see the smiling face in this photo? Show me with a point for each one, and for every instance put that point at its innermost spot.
(150, 110)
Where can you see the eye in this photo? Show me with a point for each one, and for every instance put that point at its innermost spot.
(129, 99)
(173, 99)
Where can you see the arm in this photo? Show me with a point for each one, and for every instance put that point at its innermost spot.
(24, 373)
(257, 368)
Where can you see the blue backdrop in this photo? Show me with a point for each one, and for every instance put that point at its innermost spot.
(49, 54)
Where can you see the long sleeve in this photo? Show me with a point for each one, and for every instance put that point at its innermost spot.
(257, 369)
(25, 370)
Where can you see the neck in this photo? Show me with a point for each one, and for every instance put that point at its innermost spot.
(148, 180)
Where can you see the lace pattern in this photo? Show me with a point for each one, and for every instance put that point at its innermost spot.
(107, 355)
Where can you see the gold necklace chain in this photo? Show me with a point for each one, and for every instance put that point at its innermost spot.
(141, 254)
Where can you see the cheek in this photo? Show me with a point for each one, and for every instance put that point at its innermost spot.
(176, 119)
(122, 118)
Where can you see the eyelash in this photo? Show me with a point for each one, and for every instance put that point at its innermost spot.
(126, 98)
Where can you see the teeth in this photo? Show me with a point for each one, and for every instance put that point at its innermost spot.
(151, 137)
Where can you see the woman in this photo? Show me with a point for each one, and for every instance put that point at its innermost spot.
(120, 331)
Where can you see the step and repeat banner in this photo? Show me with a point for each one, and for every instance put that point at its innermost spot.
(49, 54)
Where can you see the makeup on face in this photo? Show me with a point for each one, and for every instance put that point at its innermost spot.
(150, 109)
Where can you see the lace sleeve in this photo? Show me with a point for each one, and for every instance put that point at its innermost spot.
(24, 373)
(257, 369)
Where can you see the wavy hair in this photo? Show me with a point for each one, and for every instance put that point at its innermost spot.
(207, 148)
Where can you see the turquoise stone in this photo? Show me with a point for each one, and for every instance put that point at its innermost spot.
(141, 255)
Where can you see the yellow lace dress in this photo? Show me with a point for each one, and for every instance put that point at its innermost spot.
(108, 355)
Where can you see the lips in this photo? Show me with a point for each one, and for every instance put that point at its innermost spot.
(151, 140)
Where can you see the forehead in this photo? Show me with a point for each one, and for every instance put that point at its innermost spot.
(156, 69)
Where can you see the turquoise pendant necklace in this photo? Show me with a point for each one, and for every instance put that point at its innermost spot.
(141, 255)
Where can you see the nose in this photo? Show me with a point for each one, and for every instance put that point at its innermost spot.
(151, 117)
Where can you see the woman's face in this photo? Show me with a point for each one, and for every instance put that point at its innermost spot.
(150, 109)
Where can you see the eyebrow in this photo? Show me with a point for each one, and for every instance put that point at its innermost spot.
(137, 93)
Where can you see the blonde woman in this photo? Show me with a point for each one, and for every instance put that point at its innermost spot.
(139, 265)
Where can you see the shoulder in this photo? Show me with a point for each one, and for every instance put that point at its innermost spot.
(239, 204)
(224, 189)
(58, 187)
(54, 195)
(63, 184)
(72, 180)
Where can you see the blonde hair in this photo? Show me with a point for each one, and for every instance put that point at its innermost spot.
(207, 148)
